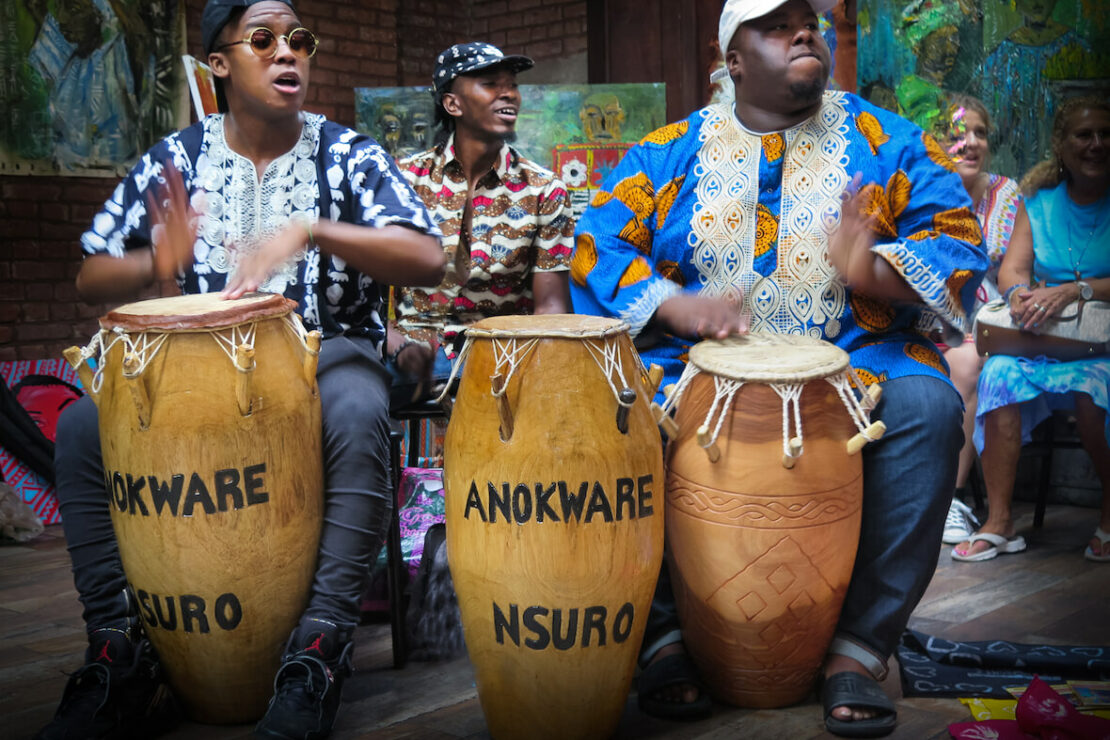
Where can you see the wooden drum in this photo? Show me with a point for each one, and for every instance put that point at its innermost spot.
(764, 489)
(210, 432)
(554, 475)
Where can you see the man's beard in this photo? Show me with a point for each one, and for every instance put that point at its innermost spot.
(807, 93)
(509, 138)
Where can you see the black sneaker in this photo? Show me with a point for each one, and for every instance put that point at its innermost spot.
(119, 693)
(308, 684)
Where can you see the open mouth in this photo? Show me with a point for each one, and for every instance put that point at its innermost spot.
(508, 114)
(288, 82)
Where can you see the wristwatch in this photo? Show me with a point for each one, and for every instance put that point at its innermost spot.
(1086, 292)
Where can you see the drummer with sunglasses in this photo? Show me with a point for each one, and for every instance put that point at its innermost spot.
(262, 196)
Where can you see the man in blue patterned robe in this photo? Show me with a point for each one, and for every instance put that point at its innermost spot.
(801, 211)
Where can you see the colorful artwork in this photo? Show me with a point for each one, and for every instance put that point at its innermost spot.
(578, 131)
(1021, 57)
(202, 87)
(86, 86)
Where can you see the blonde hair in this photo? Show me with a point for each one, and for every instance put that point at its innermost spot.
(1050, 172)
(976, 105)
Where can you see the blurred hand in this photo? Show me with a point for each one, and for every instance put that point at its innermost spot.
(257, 264)
(850, 246)
(173, 226)
(701, 317)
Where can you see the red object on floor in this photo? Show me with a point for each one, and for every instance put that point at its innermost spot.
(1042, 714)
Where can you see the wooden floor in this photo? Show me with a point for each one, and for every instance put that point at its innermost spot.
(1048, 594)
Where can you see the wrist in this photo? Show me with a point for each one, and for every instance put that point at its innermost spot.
(392, 356)
(1011, 290)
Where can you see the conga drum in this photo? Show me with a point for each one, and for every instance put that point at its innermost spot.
(764, 488)
(210, 434)
(553, 472)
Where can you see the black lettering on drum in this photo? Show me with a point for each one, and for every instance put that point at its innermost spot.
(233, 489)
(564, 632)
(522, 503)
(161, 612)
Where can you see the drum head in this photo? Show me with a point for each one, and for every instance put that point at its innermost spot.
(196, 312)
(769, 358)
(548, 325)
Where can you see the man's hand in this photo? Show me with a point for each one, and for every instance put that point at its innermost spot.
(256, 265)
(700, 317)
(173, 227)
(850, 247)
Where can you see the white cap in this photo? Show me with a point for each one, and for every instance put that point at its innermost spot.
(736, 12)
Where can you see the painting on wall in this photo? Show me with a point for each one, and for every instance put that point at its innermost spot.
(1021, 57)
(578, 131)
(86, 86)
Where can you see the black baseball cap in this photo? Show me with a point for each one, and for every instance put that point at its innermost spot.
(462, 59)
(216, 15)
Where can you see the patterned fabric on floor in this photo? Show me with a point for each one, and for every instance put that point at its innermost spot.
(32, 489)
(1041, 714)
(932, 666)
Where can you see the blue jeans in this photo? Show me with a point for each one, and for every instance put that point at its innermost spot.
(357, 501)
(908, 479)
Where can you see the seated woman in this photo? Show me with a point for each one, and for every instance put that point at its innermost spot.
(1068, 202)
(1002, 217)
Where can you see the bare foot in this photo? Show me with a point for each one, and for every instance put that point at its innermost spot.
(974, 548)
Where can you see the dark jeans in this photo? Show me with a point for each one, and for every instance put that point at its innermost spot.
(908, 479)
(354, 390)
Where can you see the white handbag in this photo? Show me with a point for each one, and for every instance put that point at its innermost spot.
(1082, 329)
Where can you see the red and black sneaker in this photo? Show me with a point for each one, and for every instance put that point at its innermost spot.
(308, 684)
(119, 693)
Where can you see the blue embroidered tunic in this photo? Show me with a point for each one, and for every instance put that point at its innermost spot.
(706, 206)
(331, 172)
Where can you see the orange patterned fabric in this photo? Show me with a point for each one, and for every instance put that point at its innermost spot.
(667, 134)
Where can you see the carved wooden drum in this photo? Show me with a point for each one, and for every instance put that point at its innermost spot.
(210, 433)
(764, 488)
(554, 475)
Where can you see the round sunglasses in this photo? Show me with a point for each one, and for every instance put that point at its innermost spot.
(264, 42)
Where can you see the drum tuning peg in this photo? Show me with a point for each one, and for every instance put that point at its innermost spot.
(627, 398)
(668, 391)
(84, 372)
(132, 373)
(244, 363)
(497, 382)
(706, 441)
(874, 393)
(873, 432)
(795, 447)
(664, 420)
(311, 358)
(655, 377)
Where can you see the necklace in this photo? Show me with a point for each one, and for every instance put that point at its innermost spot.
(1077, 213)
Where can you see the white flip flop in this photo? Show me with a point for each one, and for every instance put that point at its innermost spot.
(1103, 538)
(999, 544)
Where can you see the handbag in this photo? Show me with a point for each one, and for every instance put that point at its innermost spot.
(1081, 330)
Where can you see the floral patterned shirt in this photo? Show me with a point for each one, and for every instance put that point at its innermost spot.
(331, 172)
(521, 223)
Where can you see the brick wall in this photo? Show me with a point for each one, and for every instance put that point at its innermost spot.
(364, 43)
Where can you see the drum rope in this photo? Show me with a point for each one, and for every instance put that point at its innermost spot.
(507, 353)
(458, 363)
(294, 324)
(860, 415)
(671, 402)
(726, 389)
(791, 394)
(239, 335)
(608, 361)
(142, 345)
